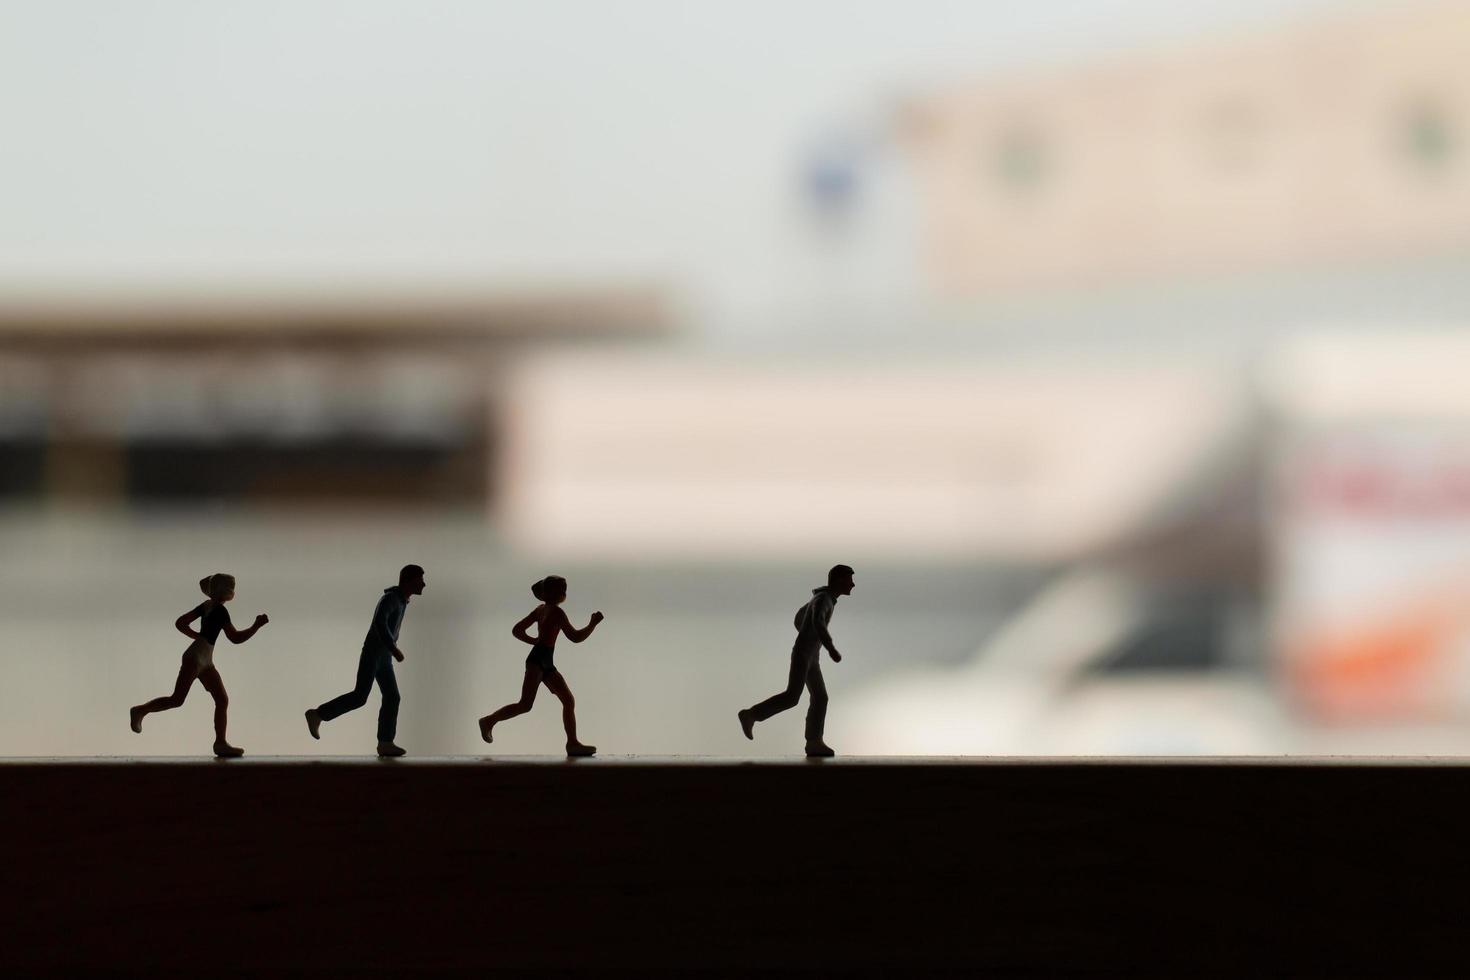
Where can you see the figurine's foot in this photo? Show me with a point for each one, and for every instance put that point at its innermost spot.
(135, 719)
(485, 725)
(387, 750)
(576, 750)
(747, 722)
(314, 722)
(227, 751)
(819, 750)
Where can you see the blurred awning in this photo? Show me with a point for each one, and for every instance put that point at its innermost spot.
(233, 315)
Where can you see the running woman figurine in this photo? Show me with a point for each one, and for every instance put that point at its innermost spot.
(549, 620)
(198, 662)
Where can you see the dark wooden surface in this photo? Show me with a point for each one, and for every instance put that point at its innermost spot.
(1236, 868)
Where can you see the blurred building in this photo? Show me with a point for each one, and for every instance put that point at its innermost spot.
(634, 456)
(1334, 138)
(1370, 525)
(334, 398)
(1001, 349)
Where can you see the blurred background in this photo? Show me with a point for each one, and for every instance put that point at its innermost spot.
(1118, 345)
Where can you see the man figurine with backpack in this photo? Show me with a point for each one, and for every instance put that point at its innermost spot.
(806, 666)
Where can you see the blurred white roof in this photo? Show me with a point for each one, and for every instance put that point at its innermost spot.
(1336, 376)
(663, 454)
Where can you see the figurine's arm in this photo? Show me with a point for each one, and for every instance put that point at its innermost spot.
(823, 635)
(240, 636)
(578, 635)
(182, 623)
(380, 628)
(519, 630)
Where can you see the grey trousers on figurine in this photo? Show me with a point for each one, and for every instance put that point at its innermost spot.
(806, 670)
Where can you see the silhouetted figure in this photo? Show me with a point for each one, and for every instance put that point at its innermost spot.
(549, 620)
(198, 661)
(379, 650)
(806, 665)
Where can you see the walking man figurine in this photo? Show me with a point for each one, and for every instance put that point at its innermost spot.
(375, 664)
(806, 665)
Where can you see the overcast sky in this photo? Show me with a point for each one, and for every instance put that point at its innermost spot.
(359, 141)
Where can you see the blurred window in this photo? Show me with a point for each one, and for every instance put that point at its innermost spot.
(1020, 159)
(1427, 135)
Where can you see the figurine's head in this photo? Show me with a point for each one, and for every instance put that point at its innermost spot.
(552, 589)
(411, 580)
(839, 579)
(220, 586)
